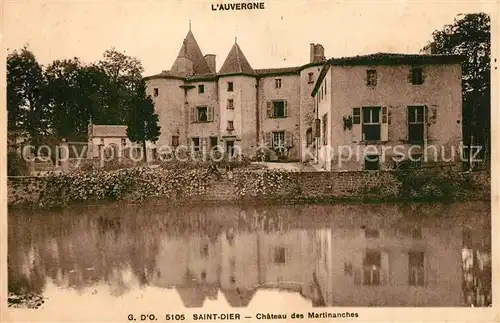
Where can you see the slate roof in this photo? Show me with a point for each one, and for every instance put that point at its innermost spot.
(278, 71)
(192, 51)
(108, 131)
(394, 59)
(236, 63)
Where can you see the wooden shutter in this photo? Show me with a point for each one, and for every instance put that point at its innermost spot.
(210, 114)
(193, 114)
(356, 124)
(270, 110)
(269, 139)
(285, 109)
(384, 126)
(410, 76)
(384, 268)
(288, 139)
(317, 128)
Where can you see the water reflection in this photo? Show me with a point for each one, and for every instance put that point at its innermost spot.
(331, 255)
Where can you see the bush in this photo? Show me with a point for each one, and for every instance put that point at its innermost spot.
(16, 165)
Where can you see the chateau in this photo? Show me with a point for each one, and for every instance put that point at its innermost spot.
(301, 112)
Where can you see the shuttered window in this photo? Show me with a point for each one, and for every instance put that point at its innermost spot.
(277, 109)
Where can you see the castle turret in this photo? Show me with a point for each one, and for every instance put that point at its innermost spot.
(190, 60)
(238, 100)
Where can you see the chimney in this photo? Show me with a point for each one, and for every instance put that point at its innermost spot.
(311, 52)
(210, 59)
(319, 53)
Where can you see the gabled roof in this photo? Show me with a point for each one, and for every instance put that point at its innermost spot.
(385, 59)
(192, 51)
(108, 130)
(236, 63)
(278, 71)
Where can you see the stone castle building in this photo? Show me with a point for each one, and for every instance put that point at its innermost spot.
(243, 109)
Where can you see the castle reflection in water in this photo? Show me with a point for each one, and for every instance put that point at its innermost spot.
(332, 255)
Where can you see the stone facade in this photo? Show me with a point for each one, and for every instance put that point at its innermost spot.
(413, 100)
(300, 187)
(280, 108)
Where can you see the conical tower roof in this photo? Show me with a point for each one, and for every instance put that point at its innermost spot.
(191, 51)
(236, 63)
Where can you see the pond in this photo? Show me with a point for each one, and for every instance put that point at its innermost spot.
(238, 256)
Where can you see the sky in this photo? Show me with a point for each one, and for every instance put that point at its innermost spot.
(278, 36)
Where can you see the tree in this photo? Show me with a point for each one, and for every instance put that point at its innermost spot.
(142, 119)
(69, 114)
(26, 96)
(124, 76)
(469, 36)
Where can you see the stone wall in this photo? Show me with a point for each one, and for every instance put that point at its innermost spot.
(291, 187)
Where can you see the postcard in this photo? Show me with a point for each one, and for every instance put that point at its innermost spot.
(250, 160)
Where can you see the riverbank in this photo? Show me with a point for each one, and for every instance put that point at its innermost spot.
(196, 186)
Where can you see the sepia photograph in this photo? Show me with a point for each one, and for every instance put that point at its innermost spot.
(249, 161)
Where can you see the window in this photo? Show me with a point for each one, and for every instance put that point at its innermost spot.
(277, 83)
(279, 255)
(371, 77)
(196, 143)
(155, 92)
(371, 268)
(416, 233)
(325, 86)
(279, 109)
(230, 125)
(102, 141)
(371, 123)
(124, 141)
(371, 233)
(203, 275)
(230, 86)
(372, 162)
(416, 124)
(201, 88)
(325, 128)
(310, 78)
(175, 141)
(230, 104)
(416, 268)
(279, 140)
(213, 142)
(309, 136)
(417, 76)
(202, 114)
(204, 251)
